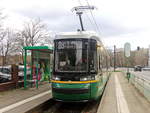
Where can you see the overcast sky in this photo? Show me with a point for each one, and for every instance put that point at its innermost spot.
(119, 21)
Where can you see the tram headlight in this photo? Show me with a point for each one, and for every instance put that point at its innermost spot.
(85, 78)
(55, 78)
(92, 77)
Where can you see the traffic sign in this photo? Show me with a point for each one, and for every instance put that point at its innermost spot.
(127, 49)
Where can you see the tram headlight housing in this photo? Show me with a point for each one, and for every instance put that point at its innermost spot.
(87, 78)
(55, 78)
(83, 79)
(92, 77)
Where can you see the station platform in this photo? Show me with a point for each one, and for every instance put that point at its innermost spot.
(120, 96)
(21, 100)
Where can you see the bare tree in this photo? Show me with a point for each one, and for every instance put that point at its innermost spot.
(2, 17)
(141, 57)
(2, 32)
(48, 40)
(34, 33)
(6, 44)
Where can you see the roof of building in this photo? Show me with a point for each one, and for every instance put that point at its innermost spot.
(38, 48)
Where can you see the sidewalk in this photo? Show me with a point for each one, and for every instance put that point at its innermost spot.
(122, 97)
(24, 98)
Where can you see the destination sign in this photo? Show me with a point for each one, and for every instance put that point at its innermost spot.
(69, 44)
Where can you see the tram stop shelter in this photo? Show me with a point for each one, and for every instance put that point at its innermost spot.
(40, 67)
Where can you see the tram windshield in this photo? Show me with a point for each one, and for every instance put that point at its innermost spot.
(71, 55)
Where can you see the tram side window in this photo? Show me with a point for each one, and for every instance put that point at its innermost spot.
(107, 63)
(100, 67)
(104, 63)
(99, 62)
(93, 56)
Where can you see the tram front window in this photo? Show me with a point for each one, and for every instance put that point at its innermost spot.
(71, 56)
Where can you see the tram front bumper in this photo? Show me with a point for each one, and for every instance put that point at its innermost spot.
(71, 92)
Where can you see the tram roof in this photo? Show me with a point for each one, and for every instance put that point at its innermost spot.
(78, 34)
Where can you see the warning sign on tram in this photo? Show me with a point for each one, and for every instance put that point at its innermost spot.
(127, 49)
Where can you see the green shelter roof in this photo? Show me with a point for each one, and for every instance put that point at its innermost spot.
(38, 48)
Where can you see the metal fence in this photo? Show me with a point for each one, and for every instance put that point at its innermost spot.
(141, 84)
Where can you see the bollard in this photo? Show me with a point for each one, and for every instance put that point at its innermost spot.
(14, 74)
(128, 76)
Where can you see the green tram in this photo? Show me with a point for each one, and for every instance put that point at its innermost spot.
(81, 66)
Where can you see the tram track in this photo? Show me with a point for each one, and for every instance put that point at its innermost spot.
(91, 107)
(52, 106)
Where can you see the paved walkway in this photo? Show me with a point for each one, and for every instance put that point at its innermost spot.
(20, 100)
(122, 97)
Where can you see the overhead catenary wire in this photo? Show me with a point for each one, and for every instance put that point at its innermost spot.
(99, 31)
(93, 18)
(96, 25)
(87, 16)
